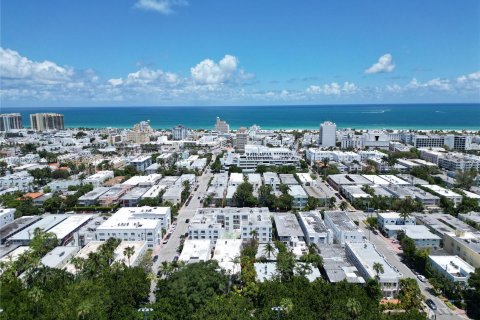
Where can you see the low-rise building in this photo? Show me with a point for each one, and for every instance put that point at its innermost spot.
(386, 219)
(136, 224)
(132, 197)
(288, 229)
(420, 235)
(271, 179)
(242, 223)
(91, 198)
(99, 178)
(6, 216)
(196, 250)
(226, 252)
(306, 179)
(141, 163)
(299, 195)
(450, 195)
(364, 256)
(173, 194)
(343, 227)
(452, 267)
(314, 228)
(59, 256)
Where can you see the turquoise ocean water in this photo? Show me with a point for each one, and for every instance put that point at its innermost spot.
(401, 116)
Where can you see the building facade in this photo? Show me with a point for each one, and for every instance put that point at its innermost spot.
(47, 121)
(10, 121)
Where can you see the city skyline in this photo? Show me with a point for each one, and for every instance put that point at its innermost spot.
(169, 53)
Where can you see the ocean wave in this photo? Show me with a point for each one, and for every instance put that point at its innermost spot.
(375, 111)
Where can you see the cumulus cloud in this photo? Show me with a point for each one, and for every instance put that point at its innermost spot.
(24, 81)
(333, 89)
(160, 6)
(15, 67)
(210, 72)
(384, 64)
(146, 76)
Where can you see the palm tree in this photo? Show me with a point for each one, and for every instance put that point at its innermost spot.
(36, 294)
(254, 234)
(343, 205)
(269, 249)
(354, 307)
(165, 269)
(84, 309)
(129, 252)
(378, 268)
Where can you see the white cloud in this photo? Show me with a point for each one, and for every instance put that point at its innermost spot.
(146, 76)
(23, 82)
(161, 6)
(333, 89)
(436, 84)
(384, 64)
(15, 67)
(209, 72)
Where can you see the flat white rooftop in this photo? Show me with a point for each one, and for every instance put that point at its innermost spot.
(226, 250)
(442, 191)
(69, 225)
(58, 256)
(454, 265)
(196, 250)
(136, 218)
(367, 255)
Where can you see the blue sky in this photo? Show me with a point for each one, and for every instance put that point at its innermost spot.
(192, 52)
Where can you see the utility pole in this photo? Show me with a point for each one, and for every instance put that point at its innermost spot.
(145, 311)
(277, 309)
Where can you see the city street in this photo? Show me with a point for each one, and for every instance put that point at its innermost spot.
(389, 250)
(168, 251)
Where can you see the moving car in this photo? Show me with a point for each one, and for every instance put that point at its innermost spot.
(155, 258)
(421, 278)
(431, 304)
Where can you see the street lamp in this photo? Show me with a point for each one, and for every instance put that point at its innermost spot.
(277, 309)
(145, 311)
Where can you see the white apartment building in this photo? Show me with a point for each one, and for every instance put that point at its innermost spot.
(214, 223)
(179, 132)
(255, 155)
(299, 195)
(364, 255)
(454, 197)
(6, 216)
(99, 178)
(21, 180)
(453, 268)
(141, 163)
(343, 228)
(316, 154)
(314, 228)
(458, 161)
(272, 179)
(235, 179)
(393, 218)
(136, 224)
(328, 134)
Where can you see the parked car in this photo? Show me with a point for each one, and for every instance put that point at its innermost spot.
(187, 220)
(422, 278)
(165, 241)
(175, 259)
(375, 232)
(155, 258)
(431, 304)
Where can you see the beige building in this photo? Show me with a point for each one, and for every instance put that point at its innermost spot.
(47, 121)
